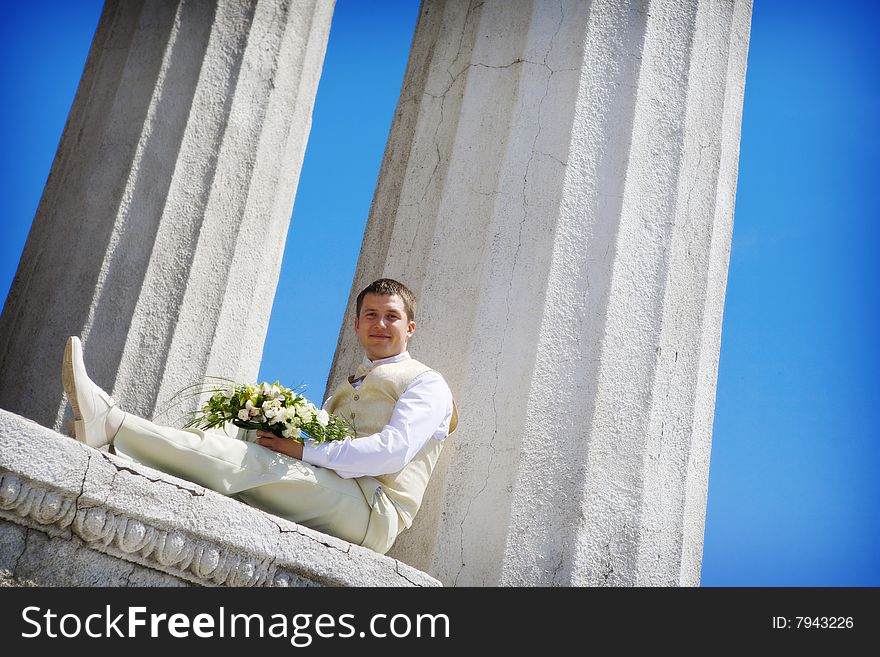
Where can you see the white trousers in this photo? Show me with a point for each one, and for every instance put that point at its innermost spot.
(284, 486)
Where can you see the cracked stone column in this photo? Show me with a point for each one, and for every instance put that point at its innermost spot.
(558, 190)
(161, 229)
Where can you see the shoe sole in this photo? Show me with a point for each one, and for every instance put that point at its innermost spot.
(67, 379)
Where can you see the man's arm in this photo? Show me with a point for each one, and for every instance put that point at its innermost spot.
(422, 412)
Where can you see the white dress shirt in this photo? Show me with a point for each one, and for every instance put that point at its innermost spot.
(422, 412)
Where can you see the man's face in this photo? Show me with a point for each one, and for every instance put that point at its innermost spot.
(382, 327)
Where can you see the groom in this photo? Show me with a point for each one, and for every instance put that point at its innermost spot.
(364, 490)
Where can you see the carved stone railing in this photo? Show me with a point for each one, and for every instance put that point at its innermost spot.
(74, 516)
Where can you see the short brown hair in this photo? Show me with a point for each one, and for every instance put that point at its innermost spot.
(388, 286)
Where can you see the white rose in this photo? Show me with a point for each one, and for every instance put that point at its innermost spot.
(323, 417)
(271, 408)
(228, 391)
(243, 414)
(291, 432)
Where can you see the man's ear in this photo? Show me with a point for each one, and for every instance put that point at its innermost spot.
(356, 324)
(410, 328)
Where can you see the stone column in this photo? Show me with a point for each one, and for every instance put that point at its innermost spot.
(160, 233)
(558, 190)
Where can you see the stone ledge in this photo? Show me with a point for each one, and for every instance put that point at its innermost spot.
(73, 516)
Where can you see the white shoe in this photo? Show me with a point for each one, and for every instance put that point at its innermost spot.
(96, 416)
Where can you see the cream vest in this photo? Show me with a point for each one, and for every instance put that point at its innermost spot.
(369, 409)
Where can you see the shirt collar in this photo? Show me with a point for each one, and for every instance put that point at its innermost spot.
(382, 361)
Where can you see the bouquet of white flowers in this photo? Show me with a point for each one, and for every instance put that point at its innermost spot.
(269, 407)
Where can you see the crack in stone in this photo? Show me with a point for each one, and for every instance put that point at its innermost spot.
(467, 17)
(513, 63)
(271, 569)
(555, 33)
(82, 484)
(27, 535)
(122, 468)
(454, 78)
(397, 568)
(696, 176)
(552, 157)
(282, 530)
(128, 576)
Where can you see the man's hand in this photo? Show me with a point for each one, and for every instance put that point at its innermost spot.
(287, 446)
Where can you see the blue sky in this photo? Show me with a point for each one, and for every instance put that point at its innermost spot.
(792, 488)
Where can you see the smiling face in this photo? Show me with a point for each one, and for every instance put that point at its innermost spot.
(382, 327)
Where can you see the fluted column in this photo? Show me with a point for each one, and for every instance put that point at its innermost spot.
(558, 190)
(160, 233)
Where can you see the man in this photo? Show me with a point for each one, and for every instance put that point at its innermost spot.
(364, 490)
